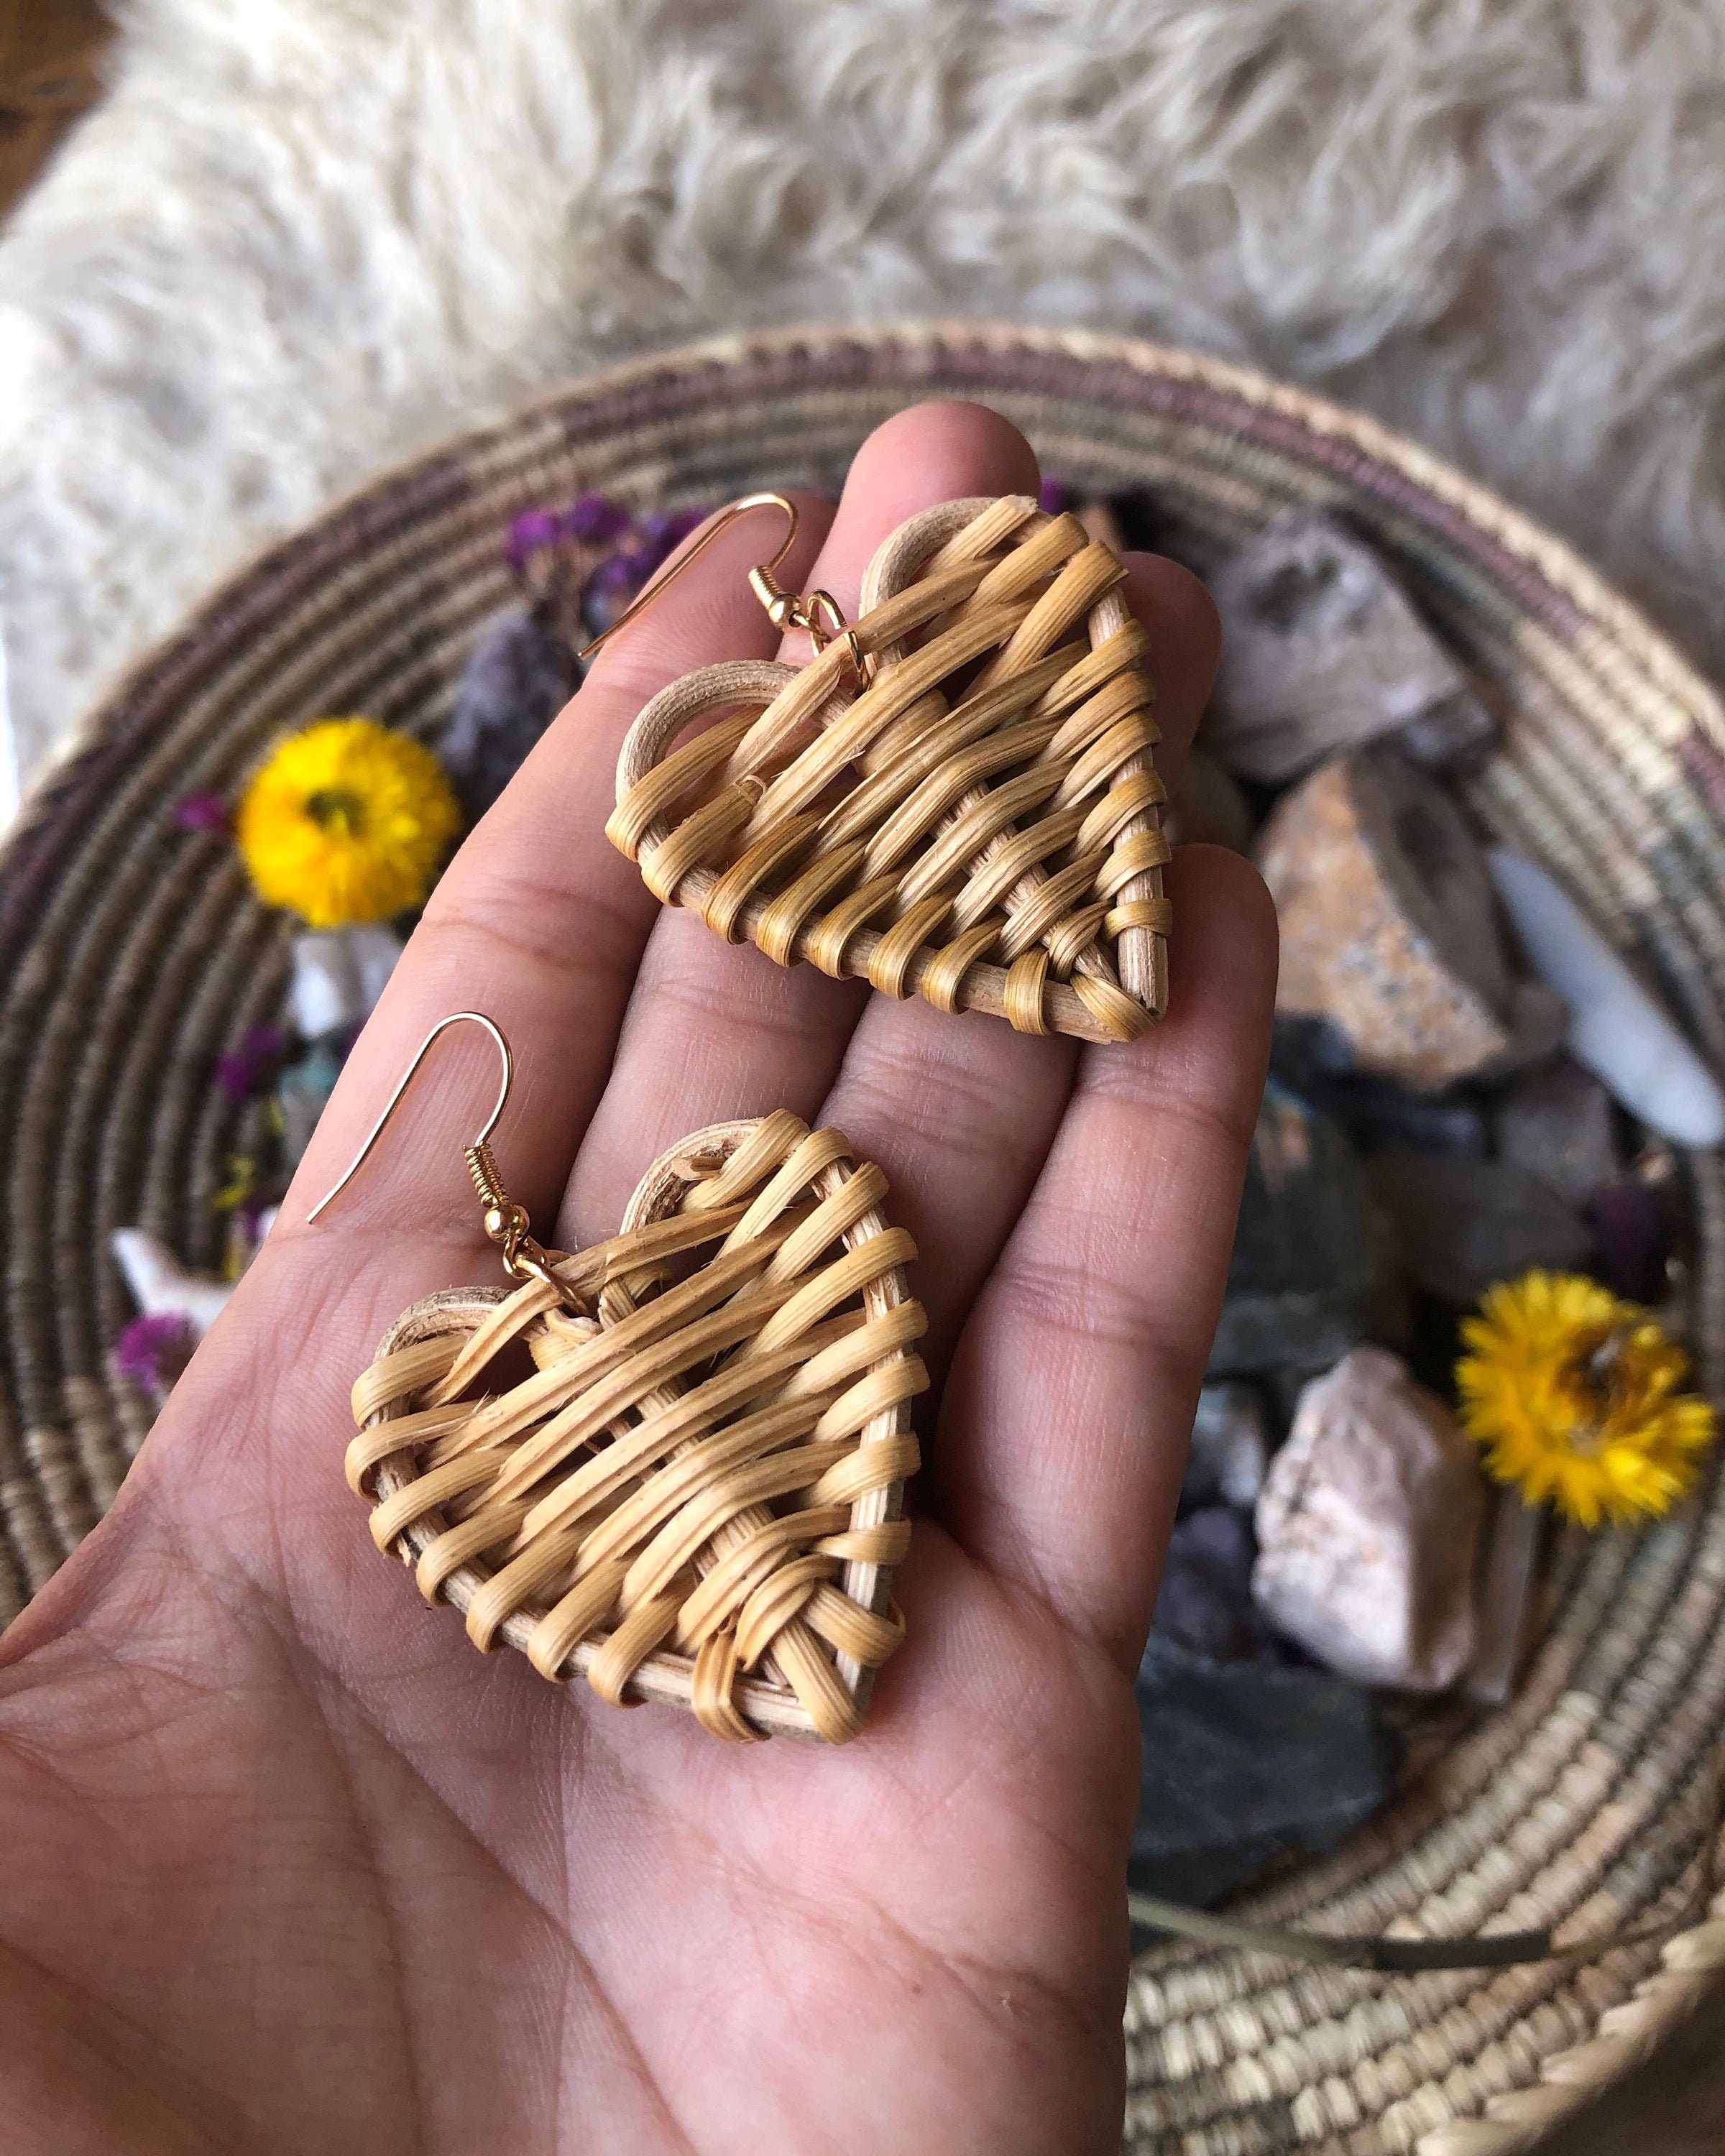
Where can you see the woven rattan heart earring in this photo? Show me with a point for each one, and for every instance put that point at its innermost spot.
(696, 1495)
(957, 797)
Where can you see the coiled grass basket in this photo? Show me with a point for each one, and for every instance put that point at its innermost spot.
(131, 955)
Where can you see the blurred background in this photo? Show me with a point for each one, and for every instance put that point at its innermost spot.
(251, 254)
(305, 238)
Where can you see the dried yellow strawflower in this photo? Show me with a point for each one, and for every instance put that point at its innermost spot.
(1574, 1394)
(348, 821)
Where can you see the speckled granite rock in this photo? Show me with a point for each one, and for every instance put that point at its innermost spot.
(1367, 1528)
(1320, 652)
(1389, 929)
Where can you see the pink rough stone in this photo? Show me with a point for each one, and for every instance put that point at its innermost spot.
(1367, 1526)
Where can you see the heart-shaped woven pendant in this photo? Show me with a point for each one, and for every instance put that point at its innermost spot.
(979, 824)
(695, 1495)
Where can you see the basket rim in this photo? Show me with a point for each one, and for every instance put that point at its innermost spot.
(1520, 534)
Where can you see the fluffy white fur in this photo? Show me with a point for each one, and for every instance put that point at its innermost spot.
(305, 237)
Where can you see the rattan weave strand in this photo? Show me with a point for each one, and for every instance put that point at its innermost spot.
(699, 1478)
(1010, 842)
(130, 956)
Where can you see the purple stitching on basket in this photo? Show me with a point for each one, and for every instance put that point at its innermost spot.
(204, 812)
(531, 531)
(244, 1072)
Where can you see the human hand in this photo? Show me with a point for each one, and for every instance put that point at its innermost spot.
(290, 1867)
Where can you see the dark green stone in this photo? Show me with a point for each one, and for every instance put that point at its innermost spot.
(1309, 1274)
(1244, 1764)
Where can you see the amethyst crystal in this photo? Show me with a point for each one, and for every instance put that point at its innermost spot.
(519, 676)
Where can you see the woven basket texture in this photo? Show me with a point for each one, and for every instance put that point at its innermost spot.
(131, 955)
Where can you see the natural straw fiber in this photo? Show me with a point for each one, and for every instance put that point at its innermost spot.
(1023, 824)
(130, 956)
(580, 1554)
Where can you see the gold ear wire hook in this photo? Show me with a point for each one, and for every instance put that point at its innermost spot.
(480, 1144)
(506, 1222)
(818, 613)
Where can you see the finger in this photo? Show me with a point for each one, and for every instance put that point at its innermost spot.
(715, 1030)
(945, 450)
(961, 1112)
(539, 922)
(1064, 1427)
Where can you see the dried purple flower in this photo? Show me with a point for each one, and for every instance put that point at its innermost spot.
(252, 1213)
(596, 520)
(1057, 497)
(663, 531)
(612, 586)
(245, 1072)
(204, 812)
(528, 533)
(626, 572)
(593, 520)
(153, 1351)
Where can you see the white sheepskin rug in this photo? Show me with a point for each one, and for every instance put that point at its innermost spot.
(304, 238)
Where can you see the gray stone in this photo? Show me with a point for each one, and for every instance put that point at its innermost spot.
(1230, 1448)
(1558, 1122)
(1508, 1573)
(1305, 1049)
(1205, 1598)
(1208, 808)
(1367, 1528)
(1377, 1115)
(1322, 652)
(1389, 930)
(1462, 1225)
(1310, 1271)
(1537, 1024)
(520, 674)
(1245, 1762)
(1297, 1329)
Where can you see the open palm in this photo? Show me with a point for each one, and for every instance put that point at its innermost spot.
(288, 1868)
